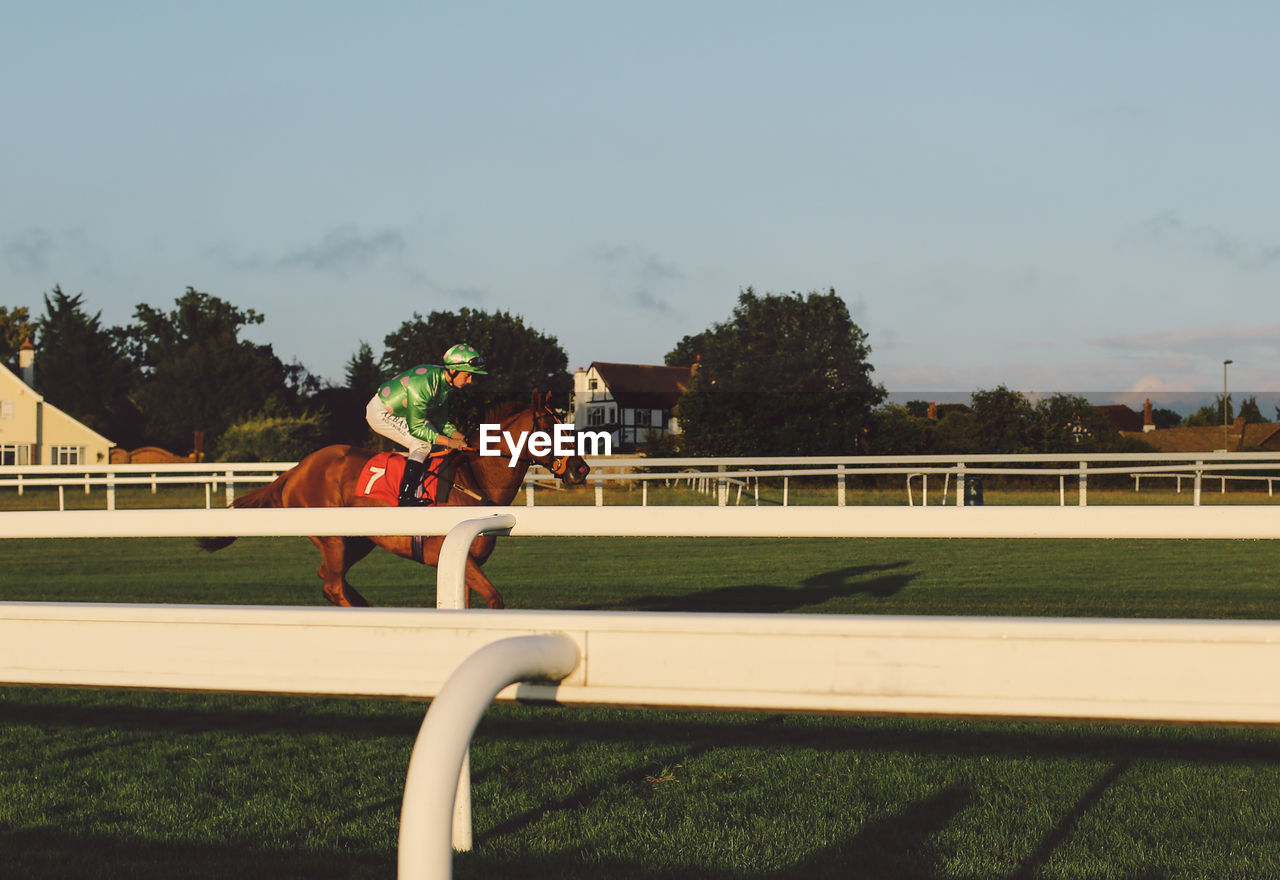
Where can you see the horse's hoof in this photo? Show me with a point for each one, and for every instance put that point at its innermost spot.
(346, 597)
(496, 603)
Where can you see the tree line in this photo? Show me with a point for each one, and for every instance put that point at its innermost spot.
(784, 374)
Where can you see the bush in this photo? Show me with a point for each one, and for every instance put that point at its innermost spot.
(273, 438)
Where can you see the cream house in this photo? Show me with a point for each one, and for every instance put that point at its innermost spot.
(634, 403)
(35, 432)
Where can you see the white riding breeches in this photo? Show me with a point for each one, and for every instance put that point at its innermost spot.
(395, 428)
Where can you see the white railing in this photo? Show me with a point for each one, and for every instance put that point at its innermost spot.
(111, 476)
(723, 477)
(1173, 671)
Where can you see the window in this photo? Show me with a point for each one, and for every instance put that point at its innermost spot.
(642, 417)
(595, 416)
(15, 453)
(64, 454)
(593, 384)
(6, 409)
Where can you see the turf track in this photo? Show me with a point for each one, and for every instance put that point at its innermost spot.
(109, 784)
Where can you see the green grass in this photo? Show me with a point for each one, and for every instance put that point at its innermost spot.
(100, 783)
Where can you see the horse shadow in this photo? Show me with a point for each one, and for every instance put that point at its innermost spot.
(877, 581)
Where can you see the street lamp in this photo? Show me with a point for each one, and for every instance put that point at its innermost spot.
(1224, 404)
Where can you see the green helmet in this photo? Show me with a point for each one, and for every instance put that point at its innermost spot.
(463, 357)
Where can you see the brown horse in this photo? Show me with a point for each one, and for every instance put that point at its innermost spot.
(328, 478)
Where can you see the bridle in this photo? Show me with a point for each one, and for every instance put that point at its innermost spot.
(558, 466)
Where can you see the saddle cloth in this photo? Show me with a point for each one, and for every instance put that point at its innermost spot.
(380, 479)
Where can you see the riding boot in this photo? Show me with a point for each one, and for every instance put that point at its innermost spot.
(409, 484)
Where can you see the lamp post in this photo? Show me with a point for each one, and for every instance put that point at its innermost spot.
(1224, 404)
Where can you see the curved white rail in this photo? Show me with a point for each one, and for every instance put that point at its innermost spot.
(441, 747)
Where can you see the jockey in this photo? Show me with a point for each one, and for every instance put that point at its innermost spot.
(413, 410)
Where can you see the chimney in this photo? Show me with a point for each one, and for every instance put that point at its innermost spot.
(1148, 421)
(27, 362)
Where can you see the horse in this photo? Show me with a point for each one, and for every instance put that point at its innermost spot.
(329, 477)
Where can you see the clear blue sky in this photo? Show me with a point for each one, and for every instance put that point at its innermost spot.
(1058, 197)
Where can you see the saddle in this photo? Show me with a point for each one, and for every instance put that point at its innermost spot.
(380, 478)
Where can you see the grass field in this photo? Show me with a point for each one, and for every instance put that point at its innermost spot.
(111, 784)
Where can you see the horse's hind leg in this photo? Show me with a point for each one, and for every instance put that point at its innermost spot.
(476, 579)
(337, 557)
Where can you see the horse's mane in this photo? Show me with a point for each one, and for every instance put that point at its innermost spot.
(500, 411)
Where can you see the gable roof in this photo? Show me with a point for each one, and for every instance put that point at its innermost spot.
(644, 385)
(1121, 417)
(1208, 438)
(51, 411)
(11, 376)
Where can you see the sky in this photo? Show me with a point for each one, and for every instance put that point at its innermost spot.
(1058, 197)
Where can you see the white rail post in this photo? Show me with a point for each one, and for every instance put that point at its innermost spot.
(528, 494)
(111, 490)
(440, 750)
(722, 487)
(451, 593)
(1195, 500)
(840, 486)
(1084, 484)
(960, 484)
(231, 487)
(599, 493)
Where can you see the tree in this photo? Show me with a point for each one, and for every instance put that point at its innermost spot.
(198, 375)
(1249, 409)
(1165, 418)
(1208, 416)
(1002, 421)
(363, 373)
(15, 328)
(1068, 423)
(786, 375)
(897, 430)
(81, 369)
(519, 360)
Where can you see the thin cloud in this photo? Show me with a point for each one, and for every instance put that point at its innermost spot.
(1170, 230)
(29, 251)
(346, 248)
(338, 252)
(1211, 341)
(640, 271)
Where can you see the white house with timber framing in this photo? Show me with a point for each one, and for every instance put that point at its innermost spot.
(635, 403)
(33, 431)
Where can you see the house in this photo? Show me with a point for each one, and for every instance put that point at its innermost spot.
(35, 432)
(634, 403)
(1213, 438)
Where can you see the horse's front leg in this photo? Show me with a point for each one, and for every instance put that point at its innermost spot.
(478, 581)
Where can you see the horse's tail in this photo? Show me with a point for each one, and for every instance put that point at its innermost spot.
(269, 495)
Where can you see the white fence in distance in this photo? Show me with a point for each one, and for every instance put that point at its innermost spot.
(720, 477)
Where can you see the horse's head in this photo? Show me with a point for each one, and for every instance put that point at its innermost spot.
(547, 441)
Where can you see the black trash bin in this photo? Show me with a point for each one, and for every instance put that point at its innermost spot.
(973, 491)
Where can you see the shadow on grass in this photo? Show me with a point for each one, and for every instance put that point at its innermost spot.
(50, 853)
(896, 847)
(841, 583)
